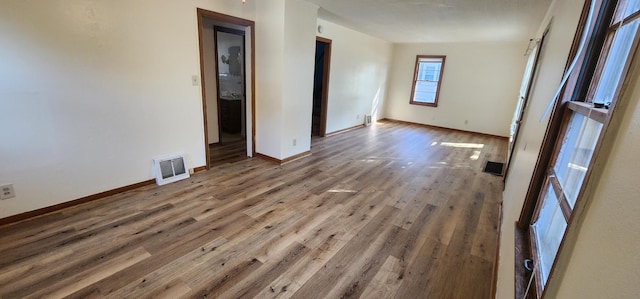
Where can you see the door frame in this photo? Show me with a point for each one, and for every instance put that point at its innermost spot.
(202, 14)
(216, 29)
(525, 101)
(325, 84)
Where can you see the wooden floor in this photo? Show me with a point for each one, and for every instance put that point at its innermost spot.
(228, 152)
(388, 211)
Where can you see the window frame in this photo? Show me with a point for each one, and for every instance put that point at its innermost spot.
(551, 181)
(578, 100)
(412, 100)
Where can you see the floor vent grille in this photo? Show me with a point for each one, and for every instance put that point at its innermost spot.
(169, 169)
(367, 120)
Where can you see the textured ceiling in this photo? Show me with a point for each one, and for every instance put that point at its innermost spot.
(438, 20)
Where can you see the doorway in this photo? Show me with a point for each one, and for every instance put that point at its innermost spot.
(227, 71)
(320, 87)
(230, 82)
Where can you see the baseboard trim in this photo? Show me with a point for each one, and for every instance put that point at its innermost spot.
(199, 169)
(344, 130)
(79, 201)
(285, 160)
(496, 258)
(438, 127)
(296, 157)
(75, 202)
(268, 158)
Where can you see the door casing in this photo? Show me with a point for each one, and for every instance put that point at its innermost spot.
(201, 15)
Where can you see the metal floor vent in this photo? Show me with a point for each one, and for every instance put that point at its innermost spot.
(169, 169)
(367, 120)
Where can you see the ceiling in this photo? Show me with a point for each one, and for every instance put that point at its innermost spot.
(412, 21)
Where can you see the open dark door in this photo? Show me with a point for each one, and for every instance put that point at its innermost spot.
(320, 88)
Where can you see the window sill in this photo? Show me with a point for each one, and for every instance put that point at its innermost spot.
(522, 252)
(424, 104)
(587, 109)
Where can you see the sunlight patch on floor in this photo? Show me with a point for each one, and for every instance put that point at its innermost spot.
(462, 145)
(475, 156)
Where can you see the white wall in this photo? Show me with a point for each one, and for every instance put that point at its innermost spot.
(91, 91)
(285, 61)
(565, 15)
(299, 64)
(270, 69)
(358, 76)
(479, 87)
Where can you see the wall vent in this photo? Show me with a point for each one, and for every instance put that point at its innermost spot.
(367, 120)
(169, 169)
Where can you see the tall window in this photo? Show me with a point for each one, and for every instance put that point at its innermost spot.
(426, 80)
(584, 122)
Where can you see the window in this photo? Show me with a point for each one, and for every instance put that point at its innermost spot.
(563, 184)
(426, 80)
(584, 122)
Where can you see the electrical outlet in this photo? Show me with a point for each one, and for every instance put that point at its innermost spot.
(358, 116)
(466, 121)
(6, 191)
(195, 80)
(294, 142)
(191, 171)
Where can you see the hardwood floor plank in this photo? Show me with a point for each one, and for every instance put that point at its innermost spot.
(72, 283)
(415, 277)
(169, 251)
(324, 281)
(154, 282)
(389, 211)
(467, 286)
(93, 255)
(174, 289)
(269, 271)
(407, 249)
(412, 205)
(386, 282)
(228, 152)
(240, 247)
(486, 237)
(21, 271)
(457, 251)
(311, 217)
(229, 279)
(376, 254)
